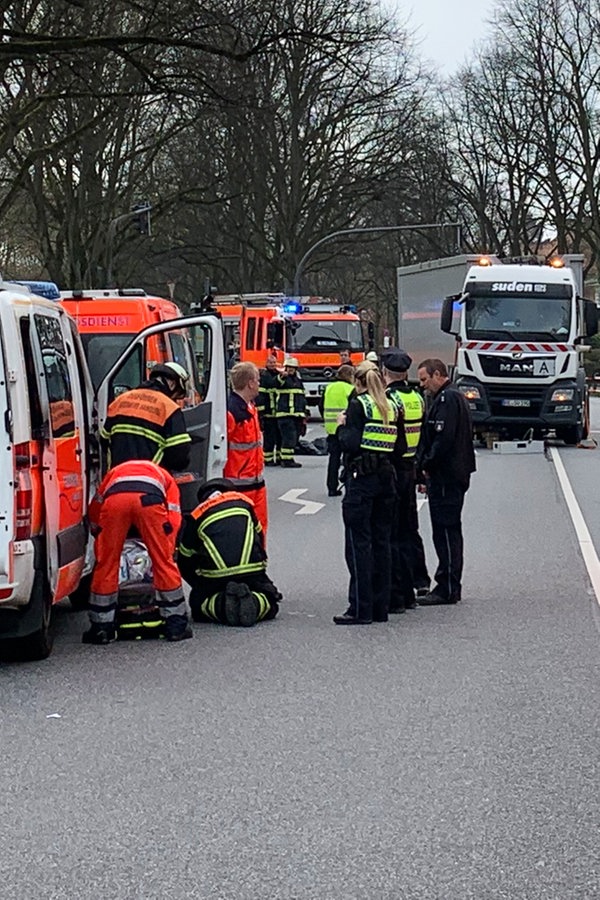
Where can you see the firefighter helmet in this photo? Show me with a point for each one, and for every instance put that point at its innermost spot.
(173, 372)
(220, 485)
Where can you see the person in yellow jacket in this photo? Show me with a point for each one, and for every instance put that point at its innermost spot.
(335, 401)
(409, 570)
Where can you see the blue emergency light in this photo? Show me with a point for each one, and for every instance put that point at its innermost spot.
(292, 307)
(47, 289)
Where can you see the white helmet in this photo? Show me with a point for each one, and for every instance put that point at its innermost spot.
(292, 362)
(173, 372)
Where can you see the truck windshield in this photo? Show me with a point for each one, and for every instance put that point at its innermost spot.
(518, 317)
(324, 335)
(103, 350)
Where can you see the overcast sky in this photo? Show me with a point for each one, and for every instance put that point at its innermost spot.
(447, 28)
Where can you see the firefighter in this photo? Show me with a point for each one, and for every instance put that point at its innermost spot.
(139, 494)
(223, 559)
(445, 463)
(147, 423)
(335, 401)
(291, 411)
(267, 410)
(369, 435)
(245, 461)
(409, 572)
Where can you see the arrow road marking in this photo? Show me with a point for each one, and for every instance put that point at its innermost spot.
(309, 507)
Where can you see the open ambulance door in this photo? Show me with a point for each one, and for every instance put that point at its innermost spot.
(196, 343)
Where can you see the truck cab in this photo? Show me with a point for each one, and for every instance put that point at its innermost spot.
(520, 333)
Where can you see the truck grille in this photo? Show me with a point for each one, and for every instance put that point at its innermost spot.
(499, 392)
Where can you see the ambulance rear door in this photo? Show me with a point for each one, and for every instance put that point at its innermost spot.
(7, 474)
(196, 343)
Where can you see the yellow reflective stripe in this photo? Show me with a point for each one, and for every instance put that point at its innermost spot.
(176, 439)
(263, 605)
(232, 570)
(139, 430)
(184, 551)
(146, 623)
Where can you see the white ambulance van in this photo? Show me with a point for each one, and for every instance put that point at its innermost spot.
(49, 461)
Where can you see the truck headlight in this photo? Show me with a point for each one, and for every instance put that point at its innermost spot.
(470, 391)
(560, 395)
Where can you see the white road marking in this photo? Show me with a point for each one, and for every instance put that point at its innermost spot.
(588, 551)
(309, 507)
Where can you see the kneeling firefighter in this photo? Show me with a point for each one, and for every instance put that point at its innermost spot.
(223, 559)
(139, 494)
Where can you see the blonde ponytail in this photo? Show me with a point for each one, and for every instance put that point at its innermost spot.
(376, 391)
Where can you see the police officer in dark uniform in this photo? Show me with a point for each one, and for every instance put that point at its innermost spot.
(368, 434)
(408, 555)
(445, 461)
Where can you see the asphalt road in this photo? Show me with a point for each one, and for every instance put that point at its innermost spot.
(451, 753)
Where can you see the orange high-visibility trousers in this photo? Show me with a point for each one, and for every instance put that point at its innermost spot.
(158, 527)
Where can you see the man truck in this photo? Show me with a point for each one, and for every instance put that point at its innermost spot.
(512, 334)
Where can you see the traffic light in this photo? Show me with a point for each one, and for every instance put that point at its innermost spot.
(141, 220)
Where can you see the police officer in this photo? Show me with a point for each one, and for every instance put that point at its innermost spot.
(368, 434)
(409, 572)
(245, 460)
(222, 557)
(445, 462)
(335, 401)
(139, 494)
(147, 423)
(267, 410)
(291, 411)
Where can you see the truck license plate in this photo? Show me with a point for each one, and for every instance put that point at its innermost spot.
(516, 402)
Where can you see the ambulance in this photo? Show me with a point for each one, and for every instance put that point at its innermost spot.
(50, 415)
(107, 320)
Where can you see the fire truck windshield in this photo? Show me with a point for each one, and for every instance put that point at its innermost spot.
(518, 317)
(324, 335)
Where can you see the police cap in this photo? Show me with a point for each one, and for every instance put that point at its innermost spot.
(396, 360)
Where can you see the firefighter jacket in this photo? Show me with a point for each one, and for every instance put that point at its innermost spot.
(221, 538)
(335, 401)
(365, 439)
(145, 423)
(412, 405)
(267, 396)
(291, 399)
(445, 451)
(245, 461)
(137, 476)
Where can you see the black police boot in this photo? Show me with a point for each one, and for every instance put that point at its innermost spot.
(433, 599)
(241, 606)
(178, 628)
(350, 620)
(98, 634)
(291, 464)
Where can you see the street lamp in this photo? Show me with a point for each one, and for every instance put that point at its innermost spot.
(417, 226)
(141, 213)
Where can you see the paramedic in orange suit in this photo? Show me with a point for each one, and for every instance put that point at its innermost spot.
(140, 494)
(245, 460)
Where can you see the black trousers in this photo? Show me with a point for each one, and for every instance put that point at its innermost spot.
(445, 508)
(272, 438)
(402, 585)
(368, 512)
(333, 463)
(288, 428)
(203, 588)
(420, 575)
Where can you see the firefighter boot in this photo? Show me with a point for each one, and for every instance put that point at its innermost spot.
(241, 606)
(178, 628)
(99, 634)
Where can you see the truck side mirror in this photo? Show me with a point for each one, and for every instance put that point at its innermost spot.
(448, 313)
(590, 312)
